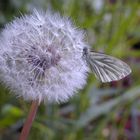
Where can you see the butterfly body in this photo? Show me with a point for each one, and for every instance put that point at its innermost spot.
(106, 68)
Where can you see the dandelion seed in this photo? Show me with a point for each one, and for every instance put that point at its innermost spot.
(40, 57)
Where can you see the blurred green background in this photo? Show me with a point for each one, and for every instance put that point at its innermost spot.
(100, 111)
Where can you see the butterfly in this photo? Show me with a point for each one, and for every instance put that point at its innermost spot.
(106, 68)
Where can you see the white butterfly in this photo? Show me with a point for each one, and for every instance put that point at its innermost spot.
(105, 67)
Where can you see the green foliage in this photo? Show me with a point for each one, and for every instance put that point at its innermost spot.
(10, 114)
(112, 28)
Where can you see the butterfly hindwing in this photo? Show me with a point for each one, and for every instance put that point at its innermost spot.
(107, 68)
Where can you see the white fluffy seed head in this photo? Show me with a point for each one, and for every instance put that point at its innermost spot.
(41, 57)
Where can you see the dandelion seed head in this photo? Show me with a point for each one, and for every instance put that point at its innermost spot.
(41, 57)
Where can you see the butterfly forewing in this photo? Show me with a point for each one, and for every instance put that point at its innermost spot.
(107, 68)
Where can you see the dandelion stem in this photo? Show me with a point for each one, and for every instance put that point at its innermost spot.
(29, 121)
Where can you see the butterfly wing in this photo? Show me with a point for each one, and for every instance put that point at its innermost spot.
(107, 68)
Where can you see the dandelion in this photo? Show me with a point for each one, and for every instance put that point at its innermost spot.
(41, 57)
(41, 60)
